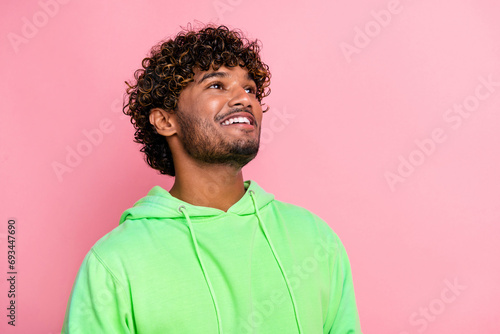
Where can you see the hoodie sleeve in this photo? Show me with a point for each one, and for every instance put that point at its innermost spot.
(97, 303)
(343, 313)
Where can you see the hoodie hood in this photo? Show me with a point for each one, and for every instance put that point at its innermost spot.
(160, 204)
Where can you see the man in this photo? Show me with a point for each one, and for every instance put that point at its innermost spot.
(215, 254)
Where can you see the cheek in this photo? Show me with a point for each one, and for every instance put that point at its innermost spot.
(211, 105)
(216, 104)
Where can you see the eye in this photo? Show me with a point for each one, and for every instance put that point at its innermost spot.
(216, 85)
(251, 90)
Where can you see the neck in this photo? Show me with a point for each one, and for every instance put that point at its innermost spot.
(215, 186)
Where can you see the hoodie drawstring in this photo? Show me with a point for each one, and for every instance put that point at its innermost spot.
(183, 210)
(266, 234)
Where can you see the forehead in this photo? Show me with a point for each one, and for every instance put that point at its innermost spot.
(236, 73)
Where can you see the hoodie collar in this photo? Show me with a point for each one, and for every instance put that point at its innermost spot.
(159, 203)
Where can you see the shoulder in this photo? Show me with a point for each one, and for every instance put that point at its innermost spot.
(126, 239)
(294, 212)
(301, 220)
(306, 235)
(292, 209)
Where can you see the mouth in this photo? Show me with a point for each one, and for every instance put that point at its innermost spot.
(240, 119)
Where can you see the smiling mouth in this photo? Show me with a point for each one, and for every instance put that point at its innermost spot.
(242, 119)
(238, 120)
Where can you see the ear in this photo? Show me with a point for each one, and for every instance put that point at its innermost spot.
(163, 121)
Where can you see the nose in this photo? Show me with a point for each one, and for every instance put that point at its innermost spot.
(240, 97)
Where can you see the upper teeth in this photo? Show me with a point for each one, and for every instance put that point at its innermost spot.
(236, 120)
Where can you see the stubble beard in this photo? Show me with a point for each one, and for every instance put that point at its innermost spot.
(204, 143)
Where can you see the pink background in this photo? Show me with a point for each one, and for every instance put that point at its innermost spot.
(360, 90)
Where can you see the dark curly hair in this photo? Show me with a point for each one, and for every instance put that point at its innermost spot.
(169, 68)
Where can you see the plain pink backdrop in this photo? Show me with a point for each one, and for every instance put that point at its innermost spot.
(364, 130)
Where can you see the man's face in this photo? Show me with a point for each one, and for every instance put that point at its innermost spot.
(220, 117)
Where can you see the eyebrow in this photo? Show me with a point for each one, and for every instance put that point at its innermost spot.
(220, 75)
(213, 75)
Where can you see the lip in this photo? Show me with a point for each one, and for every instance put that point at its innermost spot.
(240, 114)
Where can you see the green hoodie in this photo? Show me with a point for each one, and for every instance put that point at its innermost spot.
(263, 266)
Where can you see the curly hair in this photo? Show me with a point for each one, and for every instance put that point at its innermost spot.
(169, 68)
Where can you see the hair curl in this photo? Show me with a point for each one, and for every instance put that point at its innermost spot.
(169, 68)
